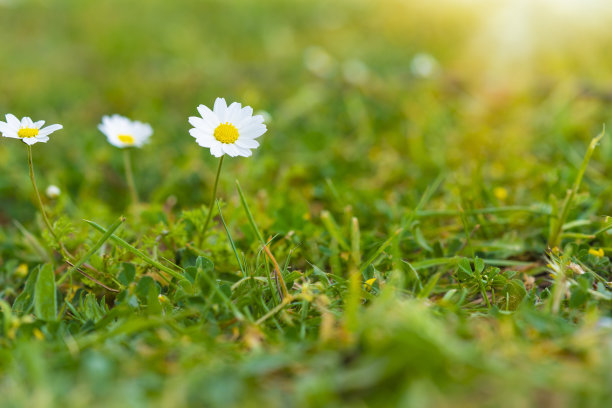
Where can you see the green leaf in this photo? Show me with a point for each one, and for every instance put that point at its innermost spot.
(204, 264)
(45, 297)
(464, 265)
(204, 267)
(190, 273)
(153, 305)
(479, 265)
(512, 294)
(578, 297)
(127, 274)
(25, 301)
(142, 288)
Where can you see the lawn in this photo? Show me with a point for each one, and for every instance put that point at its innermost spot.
(424, 224)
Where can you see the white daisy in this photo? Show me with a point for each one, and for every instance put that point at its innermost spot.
(27, 130)
(226, 129)
(123, 132)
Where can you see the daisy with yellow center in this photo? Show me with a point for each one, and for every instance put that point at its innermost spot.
(30, 133)
(27, 130)
(230, 130)
(123, 133)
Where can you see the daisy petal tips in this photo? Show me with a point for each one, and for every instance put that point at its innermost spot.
(123, 132)
(230, 130)
(26, 129)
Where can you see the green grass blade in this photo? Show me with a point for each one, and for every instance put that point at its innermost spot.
(229, 237)
(249, 215)
(556, 234)
(381, 249)
(122, 243)
(94, 248)
(330, 225)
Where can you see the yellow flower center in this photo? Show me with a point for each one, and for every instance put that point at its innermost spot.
(226, 133)
(127, 139)
(27, 132)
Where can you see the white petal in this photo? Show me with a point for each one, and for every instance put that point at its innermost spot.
(43, 139)
(141, 132)
(200, 124)
(109, 122)
(220, 108)
(195, 132)
(4, 127)
(116, 142)
(200, 133)
(233, 113)
(103, 128)
(247, 143)
(250, 121)
(140, 141)
(216, 149)
(230, 149)
(39, 124)
(13, 121)
(49, 129)
(29, 140)
(253, 132)
(8, 131)
(26, 122)
(205, 141)
(209, 116)
(244, 152)
(259, 118)
(246, 112)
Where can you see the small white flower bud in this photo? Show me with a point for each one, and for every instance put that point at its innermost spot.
(53, 191)
(423, 65)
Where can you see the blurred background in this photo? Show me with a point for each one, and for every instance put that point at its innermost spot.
(364, 95)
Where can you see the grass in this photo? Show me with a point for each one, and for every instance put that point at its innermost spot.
(395, 241)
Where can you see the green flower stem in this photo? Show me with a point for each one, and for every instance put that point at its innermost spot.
(127, 163)
(68, 257)
(213, 198)
(42, 207)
